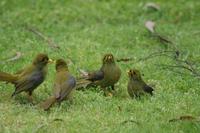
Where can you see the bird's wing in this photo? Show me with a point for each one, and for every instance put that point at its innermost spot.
(148, 89)
(57, 90)
(66, 87)
(20, 71)
(22, 84)
(96, 75)
(25, 80)
(25, 71)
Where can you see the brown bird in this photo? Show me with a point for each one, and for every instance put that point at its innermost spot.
(108, 75)
(28, 78)
(136, 85)
(63, 85)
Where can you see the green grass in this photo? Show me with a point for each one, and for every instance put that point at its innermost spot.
(85, 30)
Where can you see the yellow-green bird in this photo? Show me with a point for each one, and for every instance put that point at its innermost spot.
(136, 85)
(64, 84)
(30, 77)
(107, 76)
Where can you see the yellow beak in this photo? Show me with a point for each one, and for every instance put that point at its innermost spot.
(128, 72)
(50, 61)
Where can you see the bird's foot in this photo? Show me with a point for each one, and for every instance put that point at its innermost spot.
(108, 94)
(30, 99)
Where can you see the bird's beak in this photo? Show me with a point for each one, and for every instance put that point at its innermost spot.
(128, 72)
(50, 61)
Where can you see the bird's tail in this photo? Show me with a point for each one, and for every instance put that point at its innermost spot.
(81, 84)
(48, 103)
(149, 90)
(7, 77)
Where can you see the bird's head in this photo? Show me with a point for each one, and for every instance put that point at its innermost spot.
(108, 58)
(41, 60)
(134, 74)
(60, 63)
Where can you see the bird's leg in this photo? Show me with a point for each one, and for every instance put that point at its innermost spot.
(106, 92)
(30, 98)
(113, 87)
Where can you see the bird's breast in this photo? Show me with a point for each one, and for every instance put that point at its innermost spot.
(112, 74)
(37, 77)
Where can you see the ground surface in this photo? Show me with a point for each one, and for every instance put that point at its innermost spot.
(85, 30)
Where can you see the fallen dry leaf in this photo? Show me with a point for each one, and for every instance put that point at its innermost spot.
(124, 59)
(150, 25)
(185, 118)
(152, 5)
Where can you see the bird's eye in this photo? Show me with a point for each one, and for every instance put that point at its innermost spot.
(44, 59)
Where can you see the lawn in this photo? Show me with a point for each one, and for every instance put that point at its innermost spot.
(85, 30)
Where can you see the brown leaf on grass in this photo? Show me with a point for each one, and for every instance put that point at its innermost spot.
(124, 59)
(153, 6)
(185, 118)
(150, 25)
(50, 42)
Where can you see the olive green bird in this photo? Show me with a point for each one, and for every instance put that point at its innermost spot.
(136, 85)
(64, 84)
(107, 76)
(30, 77)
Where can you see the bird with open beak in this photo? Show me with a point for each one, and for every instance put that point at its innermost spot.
(29, 78)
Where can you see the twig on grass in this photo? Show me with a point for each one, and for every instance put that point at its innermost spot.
(50, 42)
(17, 56)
